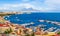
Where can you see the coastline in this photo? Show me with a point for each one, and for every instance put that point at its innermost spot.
(16, 27)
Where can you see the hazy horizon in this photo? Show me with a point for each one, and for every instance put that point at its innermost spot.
(41, 5)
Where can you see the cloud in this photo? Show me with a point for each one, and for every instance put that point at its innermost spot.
(51, 5)
(15, 6)
(42, 5)
(46, 5)
(9, 6)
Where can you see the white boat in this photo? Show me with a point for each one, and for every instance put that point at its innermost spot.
(41, 20)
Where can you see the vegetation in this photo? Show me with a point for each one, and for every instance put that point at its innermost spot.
(33, 34)
(27, 35)
(58, 33)
(8, 31)
(5, 14)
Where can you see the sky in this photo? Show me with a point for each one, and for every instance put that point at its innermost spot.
(42, 5)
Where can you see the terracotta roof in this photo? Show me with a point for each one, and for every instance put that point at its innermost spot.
(38, 33)
(4, 25)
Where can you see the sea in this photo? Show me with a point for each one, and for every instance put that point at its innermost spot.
(35, 17)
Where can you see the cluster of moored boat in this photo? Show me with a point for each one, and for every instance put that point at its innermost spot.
(52, 22)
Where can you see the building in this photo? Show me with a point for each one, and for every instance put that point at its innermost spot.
(3, 27)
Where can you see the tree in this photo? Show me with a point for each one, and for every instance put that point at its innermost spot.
(33, 34)
(27, 35)
(58, 33)
(8, 31)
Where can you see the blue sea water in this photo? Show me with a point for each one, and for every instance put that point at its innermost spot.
(34, 17)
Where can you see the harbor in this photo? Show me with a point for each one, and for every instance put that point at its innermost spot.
(31, 28)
